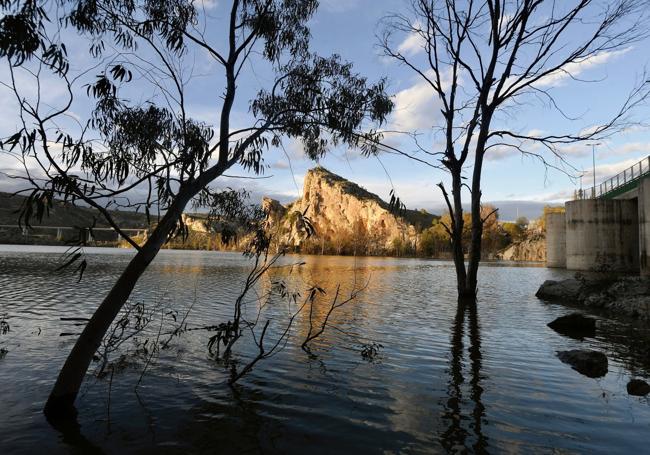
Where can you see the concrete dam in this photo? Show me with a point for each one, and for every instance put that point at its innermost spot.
(606, 228)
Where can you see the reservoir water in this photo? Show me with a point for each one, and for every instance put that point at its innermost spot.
(444, 380)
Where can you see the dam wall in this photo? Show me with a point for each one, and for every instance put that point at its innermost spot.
(602, 235)
(644, 226)
(556, 240)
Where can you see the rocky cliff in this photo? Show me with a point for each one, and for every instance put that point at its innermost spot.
(531, 249)
(346, 218)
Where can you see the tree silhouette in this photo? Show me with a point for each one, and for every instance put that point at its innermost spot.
(139, 147)
(482, 57)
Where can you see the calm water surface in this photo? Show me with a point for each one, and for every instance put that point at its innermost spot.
(444, 381)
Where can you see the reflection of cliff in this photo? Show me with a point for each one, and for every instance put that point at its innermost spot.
(347, 218)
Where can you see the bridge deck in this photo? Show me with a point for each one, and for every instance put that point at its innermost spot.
(620, 184)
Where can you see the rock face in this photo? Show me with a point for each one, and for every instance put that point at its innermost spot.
(638, 387)
(589, 363)
(530, 250)
(629, 296)
(574, 325)
(341, 213)
(195, 222)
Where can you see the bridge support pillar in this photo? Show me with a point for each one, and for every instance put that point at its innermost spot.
(644, 226)
(556, 240)
(602, 235)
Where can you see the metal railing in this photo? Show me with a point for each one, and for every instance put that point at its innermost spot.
(619, 184)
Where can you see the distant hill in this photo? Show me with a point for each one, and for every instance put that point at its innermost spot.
(510, 210)
(67, 215)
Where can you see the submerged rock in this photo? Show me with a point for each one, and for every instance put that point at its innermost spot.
(587, 362)
(560, 290)
(574, 325)
(638, 387)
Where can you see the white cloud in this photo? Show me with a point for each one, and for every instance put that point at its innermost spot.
(280, 164)
(554, 197)
(606, 171)
(501, 152)
(415, 193)
(625, 149)
(575, 150)
(412, 44)
(416, 108)
(574, 69)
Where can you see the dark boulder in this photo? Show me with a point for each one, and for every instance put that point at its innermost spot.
(638, 387)
(574, 325)
(590, 363)
(560, 290)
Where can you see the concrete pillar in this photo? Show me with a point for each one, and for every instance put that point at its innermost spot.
(644, 226)
(556, 240)
(602, 235)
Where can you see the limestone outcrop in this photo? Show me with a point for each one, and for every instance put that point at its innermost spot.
(532, 249)
(344, 216)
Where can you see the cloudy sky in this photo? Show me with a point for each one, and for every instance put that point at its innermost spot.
(350, 28)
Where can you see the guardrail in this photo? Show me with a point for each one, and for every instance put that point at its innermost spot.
(619, 184)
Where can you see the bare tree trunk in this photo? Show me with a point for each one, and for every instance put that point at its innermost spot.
(60, 403)
(457, 232)
(477, 222)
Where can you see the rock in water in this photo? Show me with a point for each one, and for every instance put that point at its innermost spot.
(590, 363)
(638, 387)
(574, 325)
(560, 290)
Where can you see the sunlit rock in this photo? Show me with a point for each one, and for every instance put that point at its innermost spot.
(560, 290)
(344, 215)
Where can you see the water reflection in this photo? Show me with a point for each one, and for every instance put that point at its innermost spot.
(72, 436)
(442, 371)
(457, 438)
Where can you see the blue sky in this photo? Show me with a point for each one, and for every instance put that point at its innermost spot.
(349, 28)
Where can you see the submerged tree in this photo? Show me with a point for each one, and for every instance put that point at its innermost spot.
(140, 147)
(481, 58)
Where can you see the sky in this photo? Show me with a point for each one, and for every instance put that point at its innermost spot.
(350, 28)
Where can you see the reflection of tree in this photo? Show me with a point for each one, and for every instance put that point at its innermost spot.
(476, 389)
(455, 437)
(73, 438)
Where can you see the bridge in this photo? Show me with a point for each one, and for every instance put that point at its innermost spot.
(606, 227)
(27, 231)
(617, 186)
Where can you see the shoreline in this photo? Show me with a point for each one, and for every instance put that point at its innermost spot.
(616, 295)
(488, 262)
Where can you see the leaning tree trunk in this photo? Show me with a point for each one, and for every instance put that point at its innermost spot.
(60, 403)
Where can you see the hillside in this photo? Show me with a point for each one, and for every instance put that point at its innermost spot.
(63, 214)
